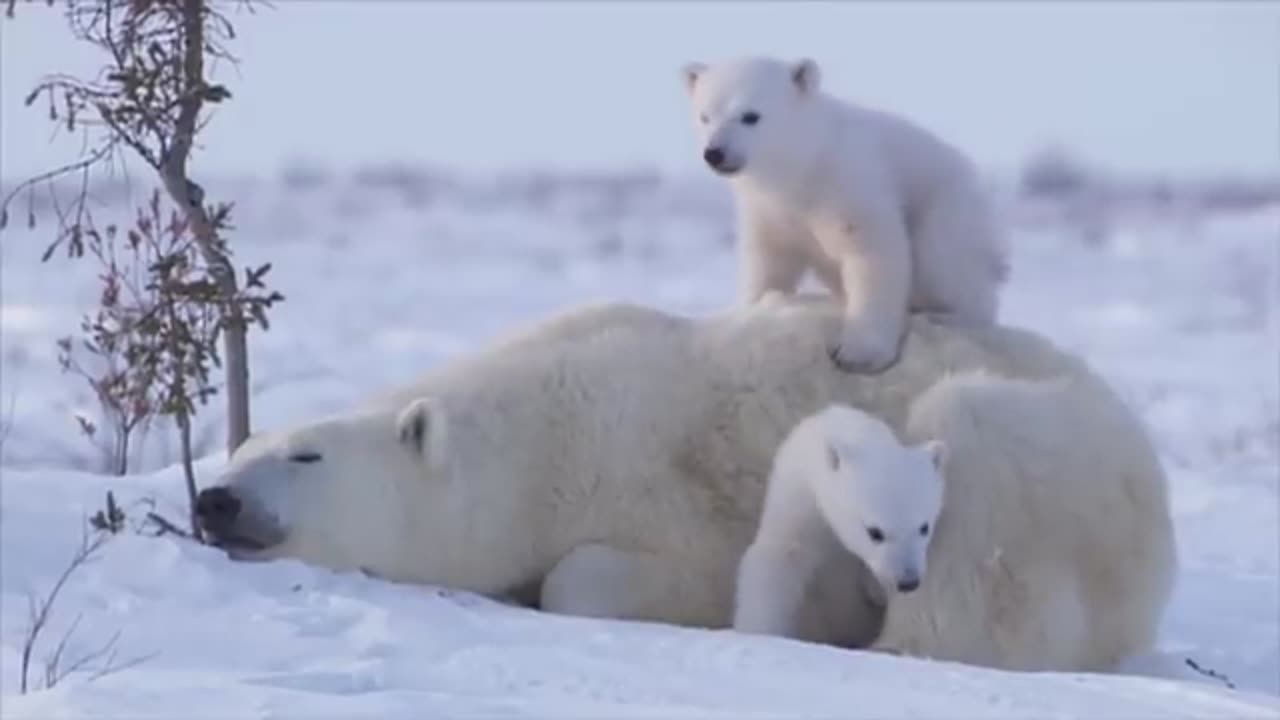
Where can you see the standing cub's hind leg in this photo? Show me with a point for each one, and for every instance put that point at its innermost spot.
(962, 259)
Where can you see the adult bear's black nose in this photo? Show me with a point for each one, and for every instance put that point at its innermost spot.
(217, 508)
(714, 157)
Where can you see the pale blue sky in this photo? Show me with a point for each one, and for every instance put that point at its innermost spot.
(1176, 87)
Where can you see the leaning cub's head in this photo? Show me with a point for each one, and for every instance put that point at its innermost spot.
(744, 111)
(881, 498)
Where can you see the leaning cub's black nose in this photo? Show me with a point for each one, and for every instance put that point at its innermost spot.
(714, 156)
(217, 508)
(908, 585)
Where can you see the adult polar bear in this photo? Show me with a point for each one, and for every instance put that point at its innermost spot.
(614, 456)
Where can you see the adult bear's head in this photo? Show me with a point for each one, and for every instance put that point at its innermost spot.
(345, 492)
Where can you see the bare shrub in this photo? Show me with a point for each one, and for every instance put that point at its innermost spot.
(155, 333)
(57, 664)
(1053, 174)
(149, 99)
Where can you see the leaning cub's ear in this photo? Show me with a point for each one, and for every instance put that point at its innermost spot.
(691, 72)
(938, 452)
(805, 74)
(423, 428)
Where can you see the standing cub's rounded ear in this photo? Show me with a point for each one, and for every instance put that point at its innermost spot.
(937, 452)
(423, 428)
(805, 74)
(691, 72)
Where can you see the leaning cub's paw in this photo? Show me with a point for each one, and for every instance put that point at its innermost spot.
(864, 352)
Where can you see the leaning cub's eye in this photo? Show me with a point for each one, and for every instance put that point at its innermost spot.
(306, 457)
(924, 529)
(876, 535)
(750, 117)
(704, 119)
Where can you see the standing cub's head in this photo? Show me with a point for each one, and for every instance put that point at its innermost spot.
(745, 110)
(880, 498)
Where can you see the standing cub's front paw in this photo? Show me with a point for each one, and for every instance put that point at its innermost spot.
(864, 351)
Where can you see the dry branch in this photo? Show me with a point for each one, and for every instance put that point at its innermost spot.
(58, 664)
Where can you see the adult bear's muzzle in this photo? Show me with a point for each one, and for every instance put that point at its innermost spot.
(230, 521)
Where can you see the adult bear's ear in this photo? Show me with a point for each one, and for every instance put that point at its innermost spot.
(805, 74)
(691, 72)
(937, 452)
(423, 427)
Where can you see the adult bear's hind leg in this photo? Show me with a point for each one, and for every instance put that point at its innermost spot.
(598, 580)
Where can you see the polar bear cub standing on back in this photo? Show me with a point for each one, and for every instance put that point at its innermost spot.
(884, 212)
(1041, 554)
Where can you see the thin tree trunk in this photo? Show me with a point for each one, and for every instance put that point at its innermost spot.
(235, 346)
(122, 447)
(188, 470)
(173, 172)
(237, 357)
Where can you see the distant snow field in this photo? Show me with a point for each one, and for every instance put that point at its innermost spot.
(389, 271)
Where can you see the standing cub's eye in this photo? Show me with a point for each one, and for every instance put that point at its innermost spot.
(750, 117)
(305, 457)
(876, 535)
(924, 529)
(704, 119)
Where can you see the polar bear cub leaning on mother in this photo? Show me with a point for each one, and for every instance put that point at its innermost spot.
(841, 478)
(996, 537)
(887, 214)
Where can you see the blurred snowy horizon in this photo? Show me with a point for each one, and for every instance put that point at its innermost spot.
(1175, 89)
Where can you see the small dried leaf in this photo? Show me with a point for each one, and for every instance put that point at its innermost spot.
(260, 316)
(216, 93)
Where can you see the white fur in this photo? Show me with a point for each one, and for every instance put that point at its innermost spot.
(840, 476)
(888, 215)
(610, 461)
(1049, 545)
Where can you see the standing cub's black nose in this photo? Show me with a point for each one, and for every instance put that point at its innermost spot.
(908, 585)
(714, 157)
(217, 509)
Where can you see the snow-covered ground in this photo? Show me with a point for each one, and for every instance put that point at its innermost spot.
(389, 271)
